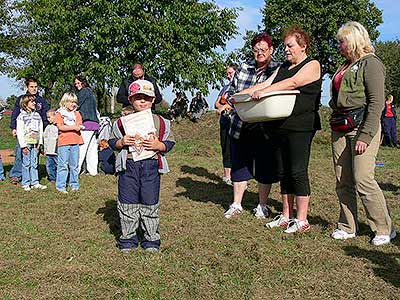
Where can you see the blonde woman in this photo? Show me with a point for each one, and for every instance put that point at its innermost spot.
(358, 88)
(69, 124)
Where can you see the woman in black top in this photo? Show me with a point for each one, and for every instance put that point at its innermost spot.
(296, 132)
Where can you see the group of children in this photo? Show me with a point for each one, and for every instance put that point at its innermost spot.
(138, 177)
(61, 139)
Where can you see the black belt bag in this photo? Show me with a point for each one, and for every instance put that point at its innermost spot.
(346, 120)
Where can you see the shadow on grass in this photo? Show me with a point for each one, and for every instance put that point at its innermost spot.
(387, 265)
(389, 187)
(218, 193)
(222, 194)
(110, 215)
(200, 171)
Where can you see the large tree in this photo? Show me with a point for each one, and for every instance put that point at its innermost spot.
(176, 40)
(389, 52)
(321, 19)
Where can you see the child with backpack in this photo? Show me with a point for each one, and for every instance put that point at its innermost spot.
(30, 138)
(69, 124)
(139, 179)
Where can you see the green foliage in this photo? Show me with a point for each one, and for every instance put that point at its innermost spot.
(389, 52)
(321, 19)
(176, 41)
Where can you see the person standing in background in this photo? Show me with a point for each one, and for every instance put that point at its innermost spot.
(137, 72)
(50, 136)
(224, 109)
(389, 126)
(41, 107)
(87, 107)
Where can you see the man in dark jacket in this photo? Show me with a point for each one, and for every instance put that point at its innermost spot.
(41, 107)
(137, 72)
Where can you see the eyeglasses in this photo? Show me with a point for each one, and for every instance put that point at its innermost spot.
(257, 50)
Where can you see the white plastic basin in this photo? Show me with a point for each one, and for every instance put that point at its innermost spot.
(272, 106)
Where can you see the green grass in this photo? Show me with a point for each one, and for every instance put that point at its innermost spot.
(7, 141)
(56, 246)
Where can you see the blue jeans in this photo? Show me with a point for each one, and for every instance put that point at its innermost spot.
(30, 160)
(16, 170)
(2, 175)
(68, 162)
(51, 166)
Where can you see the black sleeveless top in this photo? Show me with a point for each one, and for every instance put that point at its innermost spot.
(305, 115)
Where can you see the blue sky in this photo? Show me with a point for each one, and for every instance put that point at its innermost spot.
(248, 19)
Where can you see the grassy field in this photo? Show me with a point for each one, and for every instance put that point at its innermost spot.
(56, 246)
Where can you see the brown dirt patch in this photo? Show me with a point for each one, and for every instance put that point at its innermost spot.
(7, 156)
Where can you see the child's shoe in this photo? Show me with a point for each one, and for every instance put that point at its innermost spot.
(62, 191)
(26, 188)
(39, 186)
(14, 180)
(152, 250)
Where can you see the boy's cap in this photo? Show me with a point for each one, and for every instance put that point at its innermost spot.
(141, 86)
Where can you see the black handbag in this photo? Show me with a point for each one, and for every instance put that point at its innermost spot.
(346, 120)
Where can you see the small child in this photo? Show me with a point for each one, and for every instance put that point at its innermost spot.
(106, 158)
(139, 180)
(50, 137)
(2, 174)
(69, 124)
(30, 137)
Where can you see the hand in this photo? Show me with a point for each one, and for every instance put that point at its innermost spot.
(224, 107)
(14, 132)
(128, 140)
(257, 95)
(153, 144)
(25, 150)
(361, 147)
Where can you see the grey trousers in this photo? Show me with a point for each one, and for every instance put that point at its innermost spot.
(134, 215)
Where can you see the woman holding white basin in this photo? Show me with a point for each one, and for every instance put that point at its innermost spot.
(295, 133)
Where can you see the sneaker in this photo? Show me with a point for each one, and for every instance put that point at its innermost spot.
(39, 186)
(233, 211)
(74, 189)
(379, 240)
(227, 180)
(296, 225)
(261, 212)
(14, 180)
(279, 221)
(340, 234)
(26, 188)
(62, 191)
(152, 250)
(127, 250)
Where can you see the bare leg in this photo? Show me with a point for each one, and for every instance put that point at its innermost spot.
(238, 191)
(227, 173)
(263, 192)
(302, 207)
(288, 202)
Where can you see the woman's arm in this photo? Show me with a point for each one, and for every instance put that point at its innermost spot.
(310, 72)
(261, 85)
